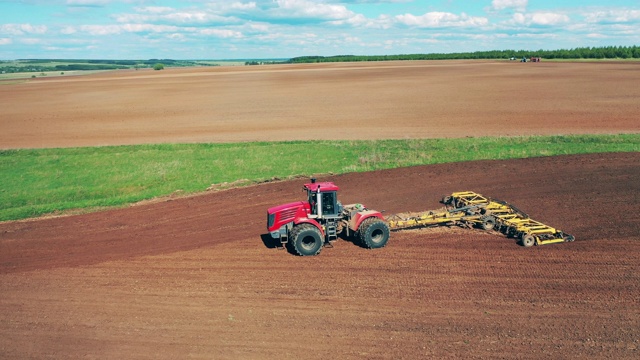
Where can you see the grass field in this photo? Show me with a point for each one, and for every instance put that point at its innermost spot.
(25, 69)
(27, 75)
(44, 181)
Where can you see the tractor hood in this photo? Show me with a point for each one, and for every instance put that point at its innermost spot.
(283, 207)
(278, 216)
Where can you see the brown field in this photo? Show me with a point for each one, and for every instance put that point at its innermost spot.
(195, 277)
(430, 99)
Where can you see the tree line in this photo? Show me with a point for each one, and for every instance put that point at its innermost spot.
(45, 65)
(607, 52)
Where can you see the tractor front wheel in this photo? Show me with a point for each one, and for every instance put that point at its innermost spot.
(373, 233)
(305, 240)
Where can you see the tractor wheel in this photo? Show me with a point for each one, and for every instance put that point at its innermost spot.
(305, 240)
(488, 222)
(373, 233)
(528, 240)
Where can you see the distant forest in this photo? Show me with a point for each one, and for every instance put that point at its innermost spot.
(45, 65)
(608, 52)
(113, 64)
(62, 65)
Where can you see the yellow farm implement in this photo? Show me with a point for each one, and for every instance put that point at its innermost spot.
(470, 209)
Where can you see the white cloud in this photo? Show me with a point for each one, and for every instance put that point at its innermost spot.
(536, 36)
(226, 6)
(176, 36)
(172, 16)
(174, 32)
(222, 33)
(22, 29)
(310, 10)
(88, 2)
(68, 30)
(188, 17)
(359, 20)
(518, 5)
(295, 39)
(242, 6)
(101, 29)
(441, 19)
(225, 13)
(260, 27)
(281, 28)
(613, 16)
(376, 1)
(30, 41)
(147, 28)
(155, 9)
(596, 36)
(540, 19)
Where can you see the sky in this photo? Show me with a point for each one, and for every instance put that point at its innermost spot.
(275, 29)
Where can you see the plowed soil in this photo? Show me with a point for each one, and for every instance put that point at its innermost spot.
(197, 277)
(411, 99)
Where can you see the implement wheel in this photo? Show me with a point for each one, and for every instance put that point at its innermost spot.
(305, 240)
(488, 222)
(528, 240)
(373, 233)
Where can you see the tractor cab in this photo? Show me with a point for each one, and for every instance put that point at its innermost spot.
(323, 199)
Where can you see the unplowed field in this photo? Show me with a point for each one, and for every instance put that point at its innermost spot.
(197, 277)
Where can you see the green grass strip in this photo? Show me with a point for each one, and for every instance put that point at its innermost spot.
(42, 181)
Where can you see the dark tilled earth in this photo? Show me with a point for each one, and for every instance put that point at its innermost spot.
(194, 277)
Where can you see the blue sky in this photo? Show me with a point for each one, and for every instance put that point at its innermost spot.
(241, 29)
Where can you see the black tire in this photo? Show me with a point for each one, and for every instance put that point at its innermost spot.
(453, 203)
(305, 240)
(488, 222)
(528, 240)
(373, 233)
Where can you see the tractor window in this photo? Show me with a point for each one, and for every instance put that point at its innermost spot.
(329, 203)
(313, 201)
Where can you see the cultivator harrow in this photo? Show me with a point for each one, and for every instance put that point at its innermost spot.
(470, 209)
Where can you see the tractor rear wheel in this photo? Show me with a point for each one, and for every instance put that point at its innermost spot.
(373, 233)
(305, 240)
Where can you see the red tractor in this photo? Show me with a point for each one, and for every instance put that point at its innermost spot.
(305, 226)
